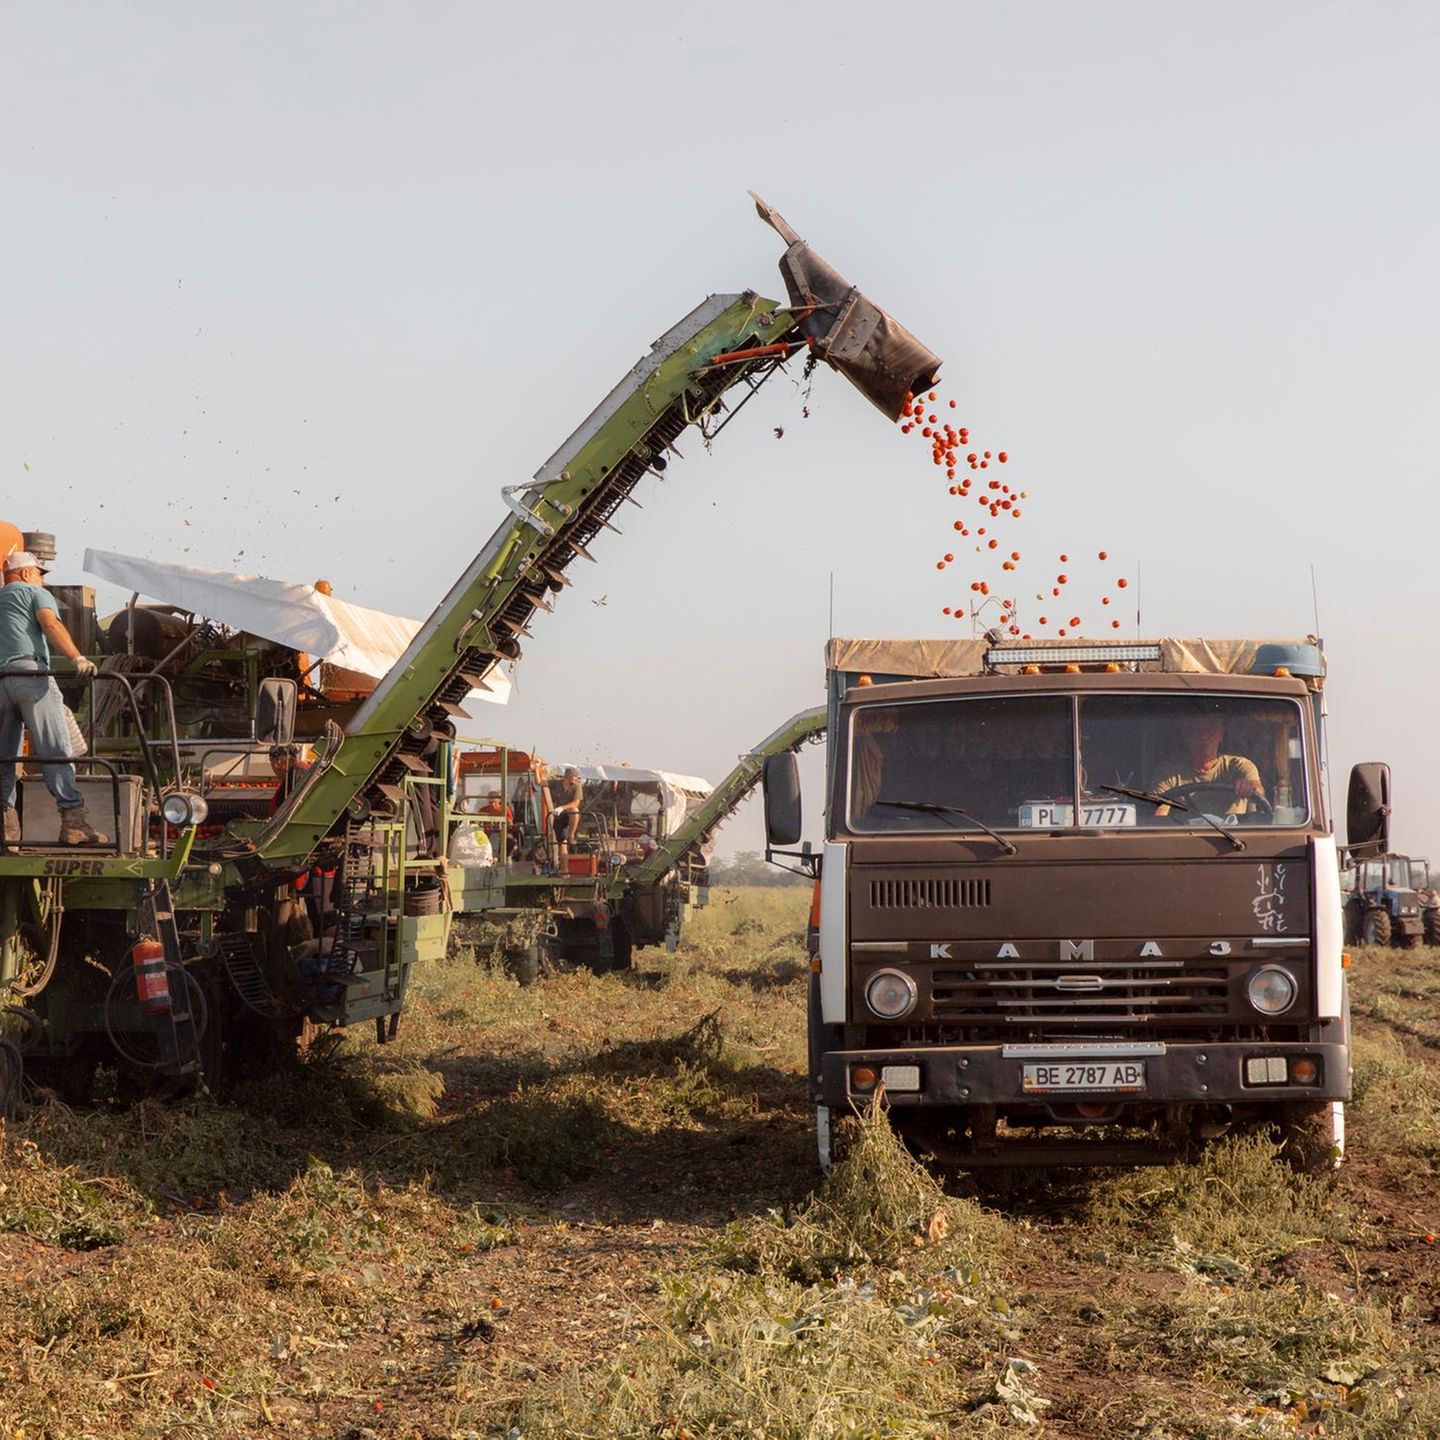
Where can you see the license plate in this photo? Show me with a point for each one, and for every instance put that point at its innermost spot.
(1039, 815)
(1057, 1076)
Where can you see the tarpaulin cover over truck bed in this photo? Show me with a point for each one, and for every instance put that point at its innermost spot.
(948, 659)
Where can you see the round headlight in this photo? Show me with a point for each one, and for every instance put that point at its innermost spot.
(890, 994)
(181, 808)
(1272, 990)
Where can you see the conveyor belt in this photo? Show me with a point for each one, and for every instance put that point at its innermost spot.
(557, 518)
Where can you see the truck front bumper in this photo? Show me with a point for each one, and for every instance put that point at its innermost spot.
(1232, 1072)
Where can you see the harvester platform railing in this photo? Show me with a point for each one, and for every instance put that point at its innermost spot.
(554, 519)
(90, 761)
(723, 800)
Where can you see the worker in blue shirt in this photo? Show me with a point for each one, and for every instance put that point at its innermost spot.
(29, 625)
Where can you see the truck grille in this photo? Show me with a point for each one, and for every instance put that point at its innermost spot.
(1067, 994)
(929, 894)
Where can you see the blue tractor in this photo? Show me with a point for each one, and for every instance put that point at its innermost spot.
(1389, 900)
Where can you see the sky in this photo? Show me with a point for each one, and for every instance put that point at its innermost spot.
(295, 288)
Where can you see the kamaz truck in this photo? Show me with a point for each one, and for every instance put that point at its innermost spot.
(1079, 902)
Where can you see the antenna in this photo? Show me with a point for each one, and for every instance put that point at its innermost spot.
(832, 604)
(1137, 599)
(1315, 600)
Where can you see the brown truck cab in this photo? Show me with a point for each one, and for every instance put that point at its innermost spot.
(1078, 903)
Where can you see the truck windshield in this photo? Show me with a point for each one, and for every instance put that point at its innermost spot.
(995, 757)
(1144, 761)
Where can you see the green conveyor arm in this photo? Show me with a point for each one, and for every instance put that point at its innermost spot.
(553, 520)
(721, 802)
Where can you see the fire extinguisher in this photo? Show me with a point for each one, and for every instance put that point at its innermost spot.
(152, 977)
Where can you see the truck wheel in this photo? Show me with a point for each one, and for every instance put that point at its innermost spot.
(1375, 928)
(833, 1133)
(1312, 1135)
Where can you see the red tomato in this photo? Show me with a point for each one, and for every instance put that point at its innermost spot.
(1104, 555)
(1002, 457)
(1114, 624)
(949, 558)
(1122, 582)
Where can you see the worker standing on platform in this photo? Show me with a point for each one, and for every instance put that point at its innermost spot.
(29, 625)
(567, 812)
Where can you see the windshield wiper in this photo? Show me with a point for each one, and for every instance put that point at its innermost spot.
(1151, 797)
(1154, 798)
(929, 807)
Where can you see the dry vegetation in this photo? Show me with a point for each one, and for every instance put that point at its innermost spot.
(588, 1208)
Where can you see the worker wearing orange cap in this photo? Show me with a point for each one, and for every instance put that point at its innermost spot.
(11, 540)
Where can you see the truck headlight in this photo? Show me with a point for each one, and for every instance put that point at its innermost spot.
(891, 994)
(1271, 990)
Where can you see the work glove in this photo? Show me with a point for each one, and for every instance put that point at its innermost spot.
(85, 667)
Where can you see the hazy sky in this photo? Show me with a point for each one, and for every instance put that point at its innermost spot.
(295, 288)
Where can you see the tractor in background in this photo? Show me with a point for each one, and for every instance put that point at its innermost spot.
(1389, 900)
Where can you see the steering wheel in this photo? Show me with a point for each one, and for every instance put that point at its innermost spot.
(1199, 787)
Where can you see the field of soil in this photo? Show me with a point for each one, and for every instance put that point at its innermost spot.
(589, 1207)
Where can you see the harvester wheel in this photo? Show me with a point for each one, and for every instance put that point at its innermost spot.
(622, 945)
(1375, 927)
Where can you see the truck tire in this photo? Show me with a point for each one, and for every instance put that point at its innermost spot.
(1312, 1135)
(1375, 927)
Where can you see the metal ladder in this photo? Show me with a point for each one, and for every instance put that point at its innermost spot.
(176, 1032)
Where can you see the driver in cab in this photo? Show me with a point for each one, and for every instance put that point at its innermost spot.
(1207, 768)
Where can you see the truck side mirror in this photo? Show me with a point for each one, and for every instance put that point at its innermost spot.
(781, 783)
(275, 710)
(1367, 811)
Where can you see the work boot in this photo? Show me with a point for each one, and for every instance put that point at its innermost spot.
(12, 827)
(75, 829)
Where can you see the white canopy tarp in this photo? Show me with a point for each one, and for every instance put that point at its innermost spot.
(349, 636)
(675, 791)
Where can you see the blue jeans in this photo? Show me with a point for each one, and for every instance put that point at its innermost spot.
(33, 701)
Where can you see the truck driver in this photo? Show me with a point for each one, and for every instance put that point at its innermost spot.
(1207, 769)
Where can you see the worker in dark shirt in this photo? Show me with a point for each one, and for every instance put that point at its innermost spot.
(567, 797)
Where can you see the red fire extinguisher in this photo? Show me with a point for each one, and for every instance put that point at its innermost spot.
(152, 978)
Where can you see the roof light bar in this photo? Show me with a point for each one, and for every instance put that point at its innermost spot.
(1071, 654)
